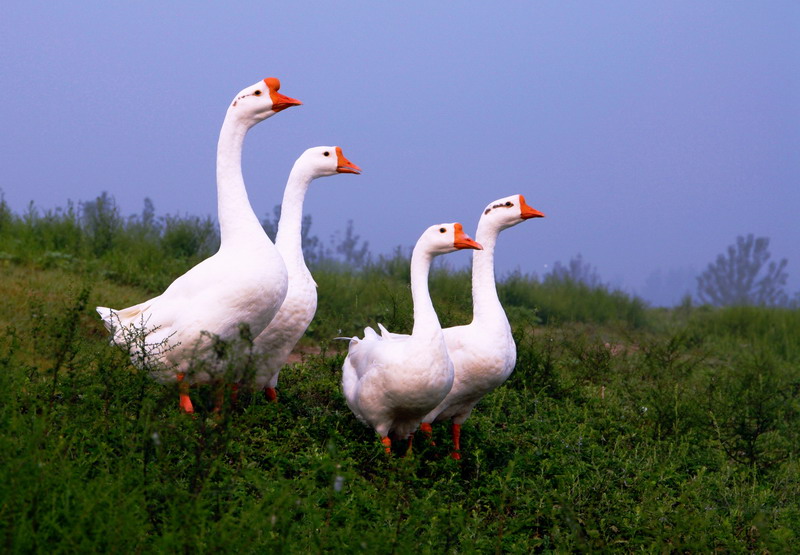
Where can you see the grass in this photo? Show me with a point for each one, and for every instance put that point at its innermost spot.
(622, 428)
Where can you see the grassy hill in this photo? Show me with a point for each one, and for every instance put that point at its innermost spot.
(622, 428)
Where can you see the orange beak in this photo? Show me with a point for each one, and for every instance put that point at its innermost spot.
(463, 241)
(527, 212)
(344, 165)
(279, 101)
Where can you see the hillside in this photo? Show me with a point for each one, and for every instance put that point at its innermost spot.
(622, 428)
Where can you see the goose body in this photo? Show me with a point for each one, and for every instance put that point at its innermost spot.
(483, 352)
(244, 283)
(391, 381)
(290, 323)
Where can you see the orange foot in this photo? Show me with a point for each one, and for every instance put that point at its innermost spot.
(387, 443)
(185, 403)
(456, 454)
(271, 394)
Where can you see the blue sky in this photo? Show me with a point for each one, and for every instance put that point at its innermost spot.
(650, 133)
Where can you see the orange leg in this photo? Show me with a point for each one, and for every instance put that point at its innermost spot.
(271, 394)
(387, 443)
(185, 402)
(456, 454)
(427, 429)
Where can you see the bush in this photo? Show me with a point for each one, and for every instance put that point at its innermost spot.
(571, 301)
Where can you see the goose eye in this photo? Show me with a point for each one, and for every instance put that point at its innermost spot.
(509, 203)
(326, 153)
(442, 230)
(257, 93)
(488, 210)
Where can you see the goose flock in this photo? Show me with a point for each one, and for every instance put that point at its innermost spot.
(395, 383)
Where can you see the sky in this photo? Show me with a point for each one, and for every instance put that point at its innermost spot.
(651, 134)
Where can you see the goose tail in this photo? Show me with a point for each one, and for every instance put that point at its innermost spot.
(108, 317)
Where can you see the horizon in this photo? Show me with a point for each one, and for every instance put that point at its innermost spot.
(677, 283)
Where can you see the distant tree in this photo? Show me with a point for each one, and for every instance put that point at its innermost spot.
(576, 271)
(102, 222)
(741, 276)
(350, 249)
(148, 218)
(145, 226)
(670, 287)
(270, 224)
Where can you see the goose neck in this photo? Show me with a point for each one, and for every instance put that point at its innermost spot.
(289, 238)
(485, 302)
(425, 319)
(237, 221)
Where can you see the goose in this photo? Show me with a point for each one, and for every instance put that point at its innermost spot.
(290, 323)
(483, 352)
(391, 381)
(244, 283)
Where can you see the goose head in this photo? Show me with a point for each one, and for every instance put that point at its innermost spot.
(322, 161)
(509, 211)
(260, 101)
(445, 238)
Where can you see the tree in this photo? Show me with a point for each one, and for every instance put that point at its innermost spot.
(741, 276)
(351, 249)
(101, 220)
(576, 271)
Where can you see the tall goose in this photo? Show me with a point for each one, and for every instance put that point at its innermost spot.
(290, 323)
(392, 381)
(244, 283)
(483, 352)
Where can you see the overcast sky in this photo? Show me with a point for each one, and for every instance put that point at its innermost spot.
(651, 134)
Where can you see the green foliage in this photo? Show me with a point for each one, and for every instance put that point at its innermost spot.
(561, 300)
(102, 223)
(143, 250)
(604, 438)
(621, 429)
(188, 237)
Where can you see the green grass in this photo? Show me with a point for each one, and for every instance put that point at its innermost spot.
(622, 428)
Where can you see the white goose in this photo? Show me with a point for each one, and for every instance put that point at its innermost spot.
(392, 381)
(245, 282)
(483, 352)
(290, 323)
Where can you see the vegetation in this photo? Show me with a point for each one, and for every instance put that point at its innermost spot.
(623, 428)
(576, 270)
(743, 277)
